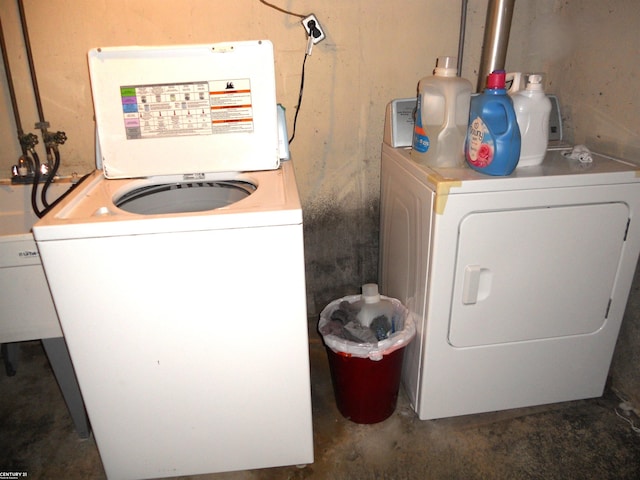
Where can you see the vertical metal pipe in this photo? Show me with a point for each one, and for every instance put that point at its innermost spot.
(27, 43)
(12, 92)
(496, 39)
(463, 28)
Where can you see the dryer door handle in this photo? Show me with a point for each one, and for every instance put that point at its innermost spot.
(471, 284)
(477, 284)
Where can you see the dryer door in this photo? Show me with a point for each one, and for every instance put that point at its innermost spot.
(535, 273)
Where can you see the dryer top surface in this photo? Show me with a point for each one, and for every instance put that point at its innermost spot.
(555, 171)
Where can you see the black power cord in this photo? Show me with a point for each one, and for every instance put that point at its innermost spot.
(314, 32)
(295, 117)
(280, 9)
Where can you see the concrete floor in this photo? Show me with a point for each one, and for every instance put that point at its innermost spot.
(582, 439)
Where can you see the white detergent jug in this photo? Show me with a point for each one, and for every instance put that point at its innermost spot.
(372, 305)
(442, 117)
(532, 107)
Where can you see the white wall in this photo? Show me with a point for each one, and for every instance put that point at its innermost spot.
(374, 51)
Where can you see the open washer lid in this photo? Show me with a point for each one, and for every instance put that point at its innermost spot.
(186, 109)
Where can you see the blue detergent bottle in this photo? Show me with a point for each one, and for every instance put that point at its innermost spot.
(493, 139)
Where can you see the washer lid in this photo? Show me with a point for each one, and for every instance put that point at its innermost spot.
(185, 109)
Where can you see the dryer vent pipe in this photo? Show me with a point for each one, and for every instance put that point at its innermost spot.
(496, 39)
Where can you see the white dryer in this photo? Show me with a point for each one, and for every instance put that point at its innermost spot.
(518, 284)
(177, 268)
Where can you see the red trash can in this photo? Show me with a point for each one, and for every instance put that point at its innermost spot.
(365, 375)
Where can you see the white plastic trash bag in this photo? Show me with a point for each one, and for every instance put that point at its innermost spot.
(343, 335)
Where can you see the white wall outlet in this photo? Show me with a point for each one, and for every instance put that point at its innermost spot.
(313, 28)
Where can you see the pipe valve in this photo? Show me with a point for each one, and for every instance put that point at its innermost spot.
(54, 139)
(28, 141)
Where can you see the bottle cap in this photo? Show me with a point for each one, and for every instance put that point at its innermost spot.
(446, 66)
(534, 82)
(370, 293)
(496, 79)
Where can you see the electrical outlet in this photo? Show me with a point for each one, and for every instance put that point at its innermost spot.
(313, 28)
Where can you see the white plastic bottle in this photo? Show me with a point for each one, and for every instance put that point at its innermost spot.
(372, 306)
(442, 117)
(532, 107)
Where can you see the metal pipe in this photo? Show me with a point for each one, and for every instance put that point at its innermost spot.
(50, 140)
(463, 29)
(12, 92)
(496, 39)
(27, 43)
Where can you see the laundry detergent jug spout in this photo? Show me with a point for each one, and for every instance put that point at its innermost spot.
(372, 305)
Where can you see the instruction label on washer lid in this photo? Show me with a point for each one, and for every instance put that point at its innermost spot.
(194, 108)
(231, 108)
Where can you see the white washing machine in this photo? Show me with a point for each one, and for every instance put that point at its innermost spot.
(177, 269)
(518, 284)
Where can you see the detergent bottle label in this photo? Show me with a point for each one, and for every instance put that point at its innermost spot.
(481, 144)
(420, 137)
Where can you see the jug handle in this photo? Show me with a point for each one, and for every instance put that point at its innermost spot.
(516, 82)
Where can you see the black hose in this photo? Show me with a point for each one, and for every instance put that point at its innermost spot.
(34, 187)
(52, 173)
(36, 179)
(62, 197)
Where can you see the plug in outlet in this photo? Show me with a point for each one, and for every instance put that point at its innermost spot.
(313, 28)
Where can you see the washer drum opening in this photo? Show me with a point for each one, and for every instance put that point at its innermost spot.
(184, 197)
